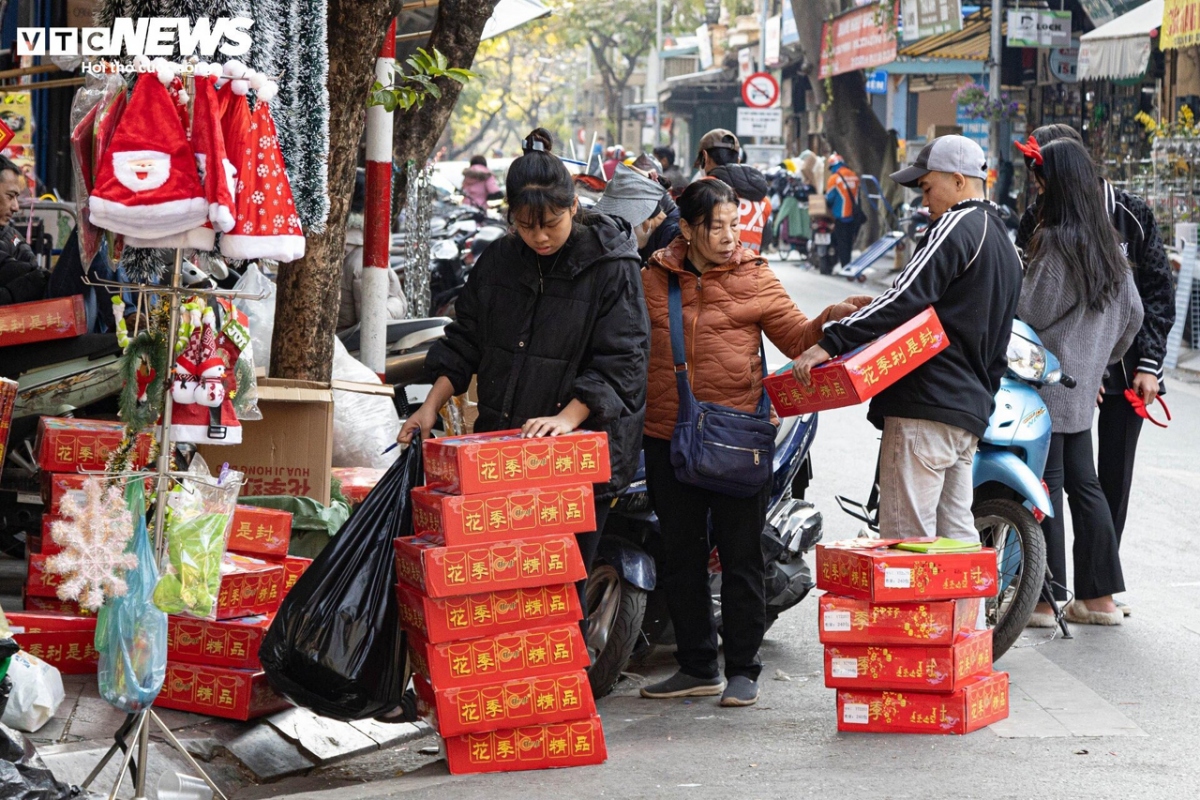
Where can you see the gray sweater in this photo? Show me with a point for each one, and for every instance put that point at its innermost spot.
(1085, 341)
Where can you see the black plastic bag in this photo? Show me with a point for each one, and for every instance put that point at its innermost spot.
(335, 646)
(23, 774)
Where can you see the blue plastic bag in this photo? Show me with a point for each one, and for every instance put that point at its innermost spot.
(131, 632)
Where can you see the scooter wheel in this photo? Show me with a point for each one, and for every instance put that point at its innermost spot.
(615, 609)
(861, 278)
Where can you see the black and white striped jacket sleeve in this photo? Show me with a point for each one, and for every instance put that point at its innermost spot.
(1135, 222)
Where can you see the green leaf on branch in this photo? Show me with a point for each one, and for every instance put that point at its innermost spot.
(418, 85)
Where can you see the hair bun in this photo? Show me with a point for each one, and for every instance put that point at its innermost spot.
(538, 140)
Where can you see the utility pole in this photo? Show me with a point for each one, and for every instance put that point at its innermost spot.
(762, 34)
(996, 51)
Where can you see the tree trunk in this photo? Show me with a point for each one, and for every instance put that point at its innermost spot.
(309, 290)
(456, 35)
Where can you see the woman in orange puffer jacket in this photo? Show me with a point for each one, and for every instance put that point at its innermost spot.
(731, 298)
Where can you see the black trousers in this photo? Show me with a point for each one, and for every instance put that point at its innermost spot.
(588, 544)
(844, 234)
(1070, 466)
(683, 517)
(1117, 430)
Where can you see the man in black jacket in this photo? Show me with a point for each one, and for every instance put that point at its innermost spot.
(21, 279)
(932, 418)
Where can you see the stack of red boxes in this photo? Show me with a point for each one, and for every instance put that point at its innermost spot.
(901, 645)
(488, 601)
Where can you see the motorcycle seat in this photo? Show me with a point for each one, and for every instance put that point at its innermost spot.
(16, 360)
(396, 331)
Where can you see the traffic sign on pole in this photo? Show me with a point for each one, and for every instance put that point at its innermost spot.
(760, 90)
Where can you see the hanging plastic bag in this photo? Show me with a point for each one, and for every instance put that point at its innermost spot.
(260, 312)
(237, 345)
(23, 774)
(335, 646)
(131, 633)
(36, 694)
(364, 425)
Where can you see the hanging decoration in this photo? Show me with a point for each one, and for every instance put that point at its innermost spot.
(143, 369)
(202, 384)
(93, 534)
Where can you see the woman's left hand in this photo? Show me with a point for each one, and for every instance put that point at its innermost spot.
(548, 426)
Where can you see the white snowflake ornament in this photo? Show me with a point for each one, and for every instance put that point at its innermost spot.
(93, 535)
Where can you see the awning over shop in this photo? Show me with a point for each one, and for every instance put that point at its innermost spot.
(511, 14)
(972, 43)
(1121, 48)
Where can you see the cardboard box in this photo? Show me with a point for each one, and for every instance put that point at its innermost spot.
(489, 462)
(981, 702)
(293, 568)
(240, 694)
(61, 640)
(8, 401)
(870, 569)
(456, 618)
(501, 566)
(532, 653)
(230, 643)
(847, 621)
(918, 668)
(506, 704)
(572, 744)
(357, 482)
(83, 445)
(42, 320)
(452, 519)
(249, 587)
(288, 451)
(859, 375)
(57, 485)
(38, 582)
(52, 604)
(260, 532)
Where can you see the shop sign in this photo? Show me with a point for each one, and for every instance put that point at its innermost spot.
(790, 34)
(877, 82)
(859, 39)
(1102, 11)
(1180, 25)
(974, 128)
(773, 24)
(760, 122)
(704, 37)
(1064, 63)
(1033, 28)
(930, 18)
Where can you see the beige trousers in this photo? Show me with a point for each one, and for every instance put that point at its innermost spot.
(925, 486)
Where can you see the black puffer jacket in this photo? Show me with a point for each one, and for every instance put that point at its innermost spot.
(21, 279)
(749, 183)
(578, 330)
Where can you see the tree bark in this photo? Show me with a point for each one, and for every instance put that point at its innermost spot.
(309, 289)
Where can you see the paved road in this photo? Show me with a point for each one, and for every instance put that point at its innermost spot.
(1110, 714)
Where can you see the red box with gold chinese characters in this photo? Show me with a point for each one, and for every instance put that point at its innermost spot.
(357, 482)
(8, 401)
(52, 604)
(939, 622)
(61, 640)
(45, 544)
(859, 375)
(42, 320)
(569, 744)
(39, 582)
(240, 694)
(524, 654)
(452, 519)
(490, 462)
(249, 586)
(982, 701)
(57, 485)
(506, 703)
(226, 643)
(873, 570)
(293, 568)
(260, 532)
(74, 445)
(473, 616)
(515, 564)
(928, 668)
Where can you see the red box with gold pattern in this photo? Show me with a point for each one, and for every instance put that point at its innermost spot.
(918, 668)
(57, 485)
(844, 620)
(497, 567)
(45, 544)
(357, 482)
(52, 604)
(489, 462)
(859, 375)
(226, 643)
(61, 640)
(473, 616)
(260, 532)
(249, 586)
(293, 568)
(568, 744)
(75, 445)
(982, 701)
(524, 654)
(240, 694)
(452, 519)
(506, 704)
(42, 320)
(873, 570)
(8, 401)
(40, 583)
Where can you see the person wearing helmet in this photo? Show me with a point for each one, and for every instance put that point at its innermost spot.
(718, 158)
(842, 198)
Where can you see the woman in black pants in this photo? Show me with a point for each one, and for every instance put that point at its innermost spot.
(1080, 297)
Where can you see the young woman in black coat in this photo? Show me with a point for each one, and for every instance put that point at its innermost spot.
(553, 324)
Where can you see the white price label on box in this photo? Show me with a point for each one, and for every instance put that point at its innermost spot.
(844, 667)
(897, 578)
(856, 714)
(836, 621)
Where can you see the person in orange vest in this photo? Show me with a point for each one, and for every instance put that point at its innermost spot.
(841, 196)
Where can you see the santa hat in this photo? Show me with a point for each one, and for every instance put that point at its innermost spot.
(267, 224)
(147, 185)
(208, 143)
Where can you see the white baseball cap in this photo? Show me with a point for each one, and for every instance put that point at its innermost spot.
(945, 154)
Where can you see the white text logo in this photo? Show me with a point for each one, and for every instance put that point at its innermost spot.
(144, 36)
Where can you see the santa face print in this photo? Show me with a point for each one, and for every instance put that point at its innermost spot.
(141, 170)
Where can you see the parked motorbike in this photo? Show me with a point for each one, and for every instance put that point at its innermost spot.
(821, 251)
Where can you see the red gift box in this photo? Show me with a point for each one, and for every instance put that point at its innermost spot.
(357, 482)
(42, 320)
(572, 744)
(8, 400)
(471, 617)
(52, 604)
(489, 462)
(870, 569)
(928, 668)
(83, 445)
(506, 704)
(848, 621)
(260, 532)
(293, 568)
(226, 643)
(40, 583)
(57, 485)
(45, 544)
(859, 375)
(453, 519)
(240, 694)
(63, 641)
(981, 702)
(516, 564)
(525, 654)
(249, 587)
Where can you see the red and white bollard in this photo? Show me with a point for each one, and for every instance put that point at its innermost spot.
(377, 222)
